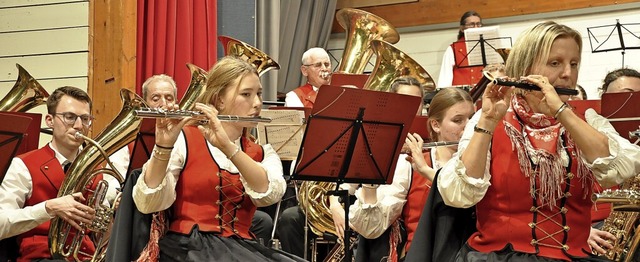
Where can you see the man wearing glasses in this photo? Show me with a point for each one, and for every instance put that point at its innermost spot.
(454, 69)
(316, 66)
(28, 193)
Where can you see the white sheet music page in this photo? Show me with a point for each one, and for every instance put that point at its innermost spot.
(284, 133)
(491, 36)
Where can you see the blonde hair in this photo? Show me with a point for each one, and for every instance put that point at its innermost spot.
(221, 76)
(441, 102)
(533, 46)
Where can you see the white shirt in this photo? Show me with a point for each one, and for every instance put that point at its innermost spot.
(292, 99)
(149, 200)
(445, 79)
(459, 190)
(120, 160)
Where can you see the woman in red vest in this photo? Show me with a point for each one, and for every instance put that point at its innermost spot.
(213, 176)
(528, 162)
(455, 69)
(388, 209)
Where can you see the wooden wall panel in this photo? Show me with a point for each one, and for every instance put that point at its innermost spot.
(45, 66)
(430, 12)
(44, 41)
(39, 17)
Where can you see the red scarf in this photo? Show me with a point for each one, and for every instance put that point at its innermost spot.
(537, 140)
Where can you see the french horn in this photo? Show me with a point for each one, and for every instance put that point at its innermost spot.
(64, 241)
(26, 93)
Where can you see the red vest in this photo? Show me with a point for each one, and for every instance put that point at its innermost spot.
(416, 199)
(209, 197)
(306, 94)
(46, 176)
(463, 75)
(506, 213)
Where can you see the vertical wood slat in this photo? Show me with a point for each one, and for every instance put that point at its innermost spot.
(112, 56)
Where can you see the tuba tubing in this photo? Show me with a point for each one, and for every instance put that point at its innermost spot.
(26, 93)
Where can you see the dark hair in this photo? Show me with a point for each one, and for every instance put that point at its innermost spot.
(405, 80)
(582, 92)
(615, 74)
(74, 92)
(464, 17)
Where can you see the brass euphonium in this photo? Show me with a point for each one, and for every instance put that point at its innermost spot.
(392, 63)
(64, 241)
(361, 28)
(196, 87)
(246, 52)
(26, 93)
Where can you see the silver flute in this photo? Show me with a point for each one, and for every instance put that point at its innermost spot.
(180, 114)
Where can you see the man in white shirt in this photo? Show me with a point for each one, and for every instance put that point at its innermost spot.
(316, 66)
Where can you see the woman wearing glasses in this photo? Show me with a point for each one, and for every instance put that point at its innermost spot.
(453, 70)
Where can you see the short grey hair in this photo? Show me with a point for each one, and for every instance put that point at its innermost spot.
(314, 50)
(156, 78)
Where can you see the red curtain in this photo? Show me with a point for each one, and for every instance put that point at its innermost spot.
(172, 33)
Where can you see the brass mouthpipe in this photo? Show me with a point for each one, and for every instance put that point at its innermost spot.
(180, 114)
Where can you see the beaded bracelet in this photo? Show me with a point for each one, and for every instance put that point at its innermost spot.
(482, 130)
(562, 108)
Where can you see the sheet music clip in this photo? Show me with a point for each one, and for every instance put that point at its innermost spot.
(354, 136)
(601, 40)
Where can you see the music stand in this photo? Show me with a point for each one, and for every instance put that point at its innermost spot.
(354, 136)
(20, 136)
(342, 79)
(580, 106)
(145, 140)
(625, 38)
(480, 40)
(622, 111)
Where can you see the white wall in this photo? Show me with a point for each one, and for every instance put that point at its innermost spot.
(50, 39)
(427, 46)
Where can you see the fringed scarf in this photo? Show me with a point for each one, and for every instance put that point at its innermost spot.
(151, 251)
(538, 143)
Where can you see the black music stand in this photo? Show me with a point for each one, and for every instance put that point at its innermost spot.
(145, 140)
(622, 32)
(622, 111)
(354, 136)
(19, 134)
(481, 45)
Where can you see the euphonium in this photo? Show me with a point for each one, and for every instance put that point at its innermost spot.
(196, 87)
(246, 52)
(26, 93)
(361, 28)
(392, 63)
(623, 220)
(313, 201)
(64, 241)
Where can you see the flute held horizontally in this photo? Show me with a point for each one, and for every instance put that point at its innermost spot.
(179, 114)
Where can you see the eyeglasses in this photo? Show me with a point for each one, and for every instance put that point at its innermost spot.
(478, 24)
(70, 118)
(320, 64)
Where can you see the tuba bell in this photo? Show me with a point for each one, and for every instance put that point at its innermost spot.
(362, 28)
(196, 87)
(26, 93)
(392, 63)
(64, 241)
(246, 52)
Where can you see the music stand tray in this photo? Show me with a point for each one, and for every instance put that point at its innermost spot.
(15, 137)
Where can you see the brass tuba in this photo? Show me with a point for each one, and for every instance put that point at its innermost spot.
(254, 56)
(64, 241)
(392, 63)
(196, 87)
(623, 222)
(26, 93)
(362, 28)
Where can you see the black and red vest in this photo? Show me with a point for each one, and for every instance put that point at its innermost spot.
(462, 74)
(210, 197)
(509, 215)
(306, 94)
(416, 199)
(47, 177)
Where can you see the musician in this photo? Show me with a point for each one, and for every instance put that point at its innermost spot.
(316, 67)
(213, 176)
(386, 210)
(621, 80)
(527, 161)
(454, 70)
(30, 187)
(582, 95)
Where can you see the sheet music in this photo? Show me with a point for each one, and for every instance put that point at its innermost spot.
(284, 133)
(491, 35)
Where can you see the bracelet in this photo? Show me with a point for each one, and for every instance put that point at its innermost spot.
(157, 156)
(234, 153)
(482, 130)
(562, 108)
(164, 147)
(372, 186)
(161, 151)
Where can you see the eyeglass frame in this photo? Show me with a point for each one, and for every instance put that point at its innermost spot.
(319, 64)
(478, 24)
(66, 121)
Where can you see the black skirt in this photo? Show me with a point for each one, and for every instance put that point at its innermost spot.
(203, 246)
(468, 254)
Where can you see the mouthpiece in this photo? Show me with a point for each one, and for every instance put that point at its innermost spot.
(325, 74)
(78, 135)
